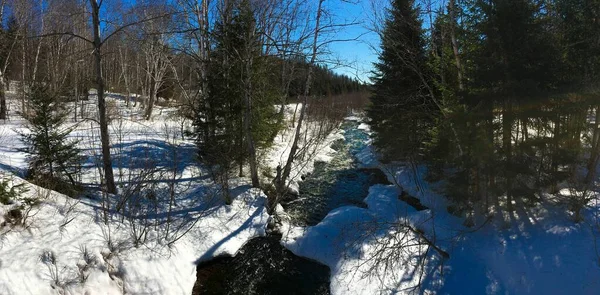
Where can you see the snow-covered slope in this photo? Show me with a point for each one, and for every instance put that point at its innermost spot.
(66, 246)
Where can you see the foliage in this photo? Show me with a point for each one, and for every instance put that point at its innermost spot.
(518, 124)
(53, 159)
(10, 192)
(401, 110)
(236, 69)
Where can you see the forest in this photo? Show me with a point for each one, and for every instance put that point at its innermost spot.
(234, 147)
(496, 98)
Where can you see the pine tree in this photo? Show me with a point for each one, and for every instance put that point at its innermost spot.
(515, 55)
(240, 96)
(577, 25)
(53, 159)
(401, 110)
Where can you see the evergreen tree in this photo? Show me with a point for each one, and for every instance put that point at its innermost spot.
(514, 53)
(53, 159)
(402, 110)
(577, 26)
(238, 80)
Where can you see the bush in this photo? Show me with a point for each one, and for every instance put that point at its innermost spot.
(8, 193)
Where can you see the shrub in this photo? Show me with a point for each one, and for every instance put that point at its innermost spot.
(8, 193)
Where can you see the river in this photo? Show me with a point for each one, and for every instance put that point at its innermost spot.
(263, 266)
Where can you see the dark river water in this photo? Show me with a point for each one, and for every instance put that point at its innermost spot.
(263, 266)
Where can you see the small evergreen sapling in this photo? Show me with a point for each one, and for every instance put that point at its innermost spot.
(53, 159)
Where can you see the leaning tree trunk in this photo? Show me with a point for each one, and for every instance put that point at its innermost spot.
(104, 136)
(281, 182)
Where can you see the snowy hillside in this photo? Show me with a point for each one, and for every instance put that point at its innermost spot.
(65, 245)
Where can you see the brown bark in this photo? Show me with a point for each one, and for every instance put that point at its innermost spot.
(2, 86)
(593, 161)
(104, 136)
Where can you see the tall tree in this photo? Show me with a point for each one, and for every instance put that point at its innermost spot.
(283, 178)
(104, 136)
(3, 61)
(402, 108)
(237, 115)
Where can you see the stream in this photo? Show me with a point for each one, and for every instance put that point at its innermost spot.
(263, 266)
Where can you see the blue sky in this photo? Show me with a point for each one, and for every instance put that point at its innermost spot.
(360, 54)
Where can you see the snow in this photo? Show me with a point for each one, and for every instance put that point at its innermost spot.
(365, 127)
(539, 250)
(350, 241)
(151, 268)
(64, 228)
(279, 152)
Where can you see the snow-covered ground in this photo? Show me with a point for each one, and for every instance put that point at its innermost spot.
(279, 152)
(539, 250)
(66, 247)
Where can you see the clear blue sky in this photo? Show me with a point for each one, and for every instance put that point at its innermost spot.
(359, 54)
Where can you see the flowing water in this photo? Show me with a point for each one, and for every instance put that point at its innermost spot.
(263, 266)
(337, 183)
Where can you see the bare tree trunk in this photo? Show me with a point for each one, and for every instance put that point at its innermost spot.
(125, 76)
(151, 99)
(203, 46)
(2, 4)
(104, 136)
(507, 121)
(293, 150)
(452, 12)
(2, 86)
(595, 153)
(39, 47)
(3, 110)
(137, 81)
(247, 116)
(23, 67)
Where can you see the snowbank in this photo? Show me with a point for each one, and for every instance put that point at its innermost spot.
(65, 229)
(350, 241)
(539, 250)
(66, 246)
(279, 152)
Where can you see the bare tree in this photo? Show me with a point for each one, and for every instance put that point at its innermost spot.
(2, 70)
(298, 134)
(98, 42)
(156, 52)
(247, 113)
(104, 136)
